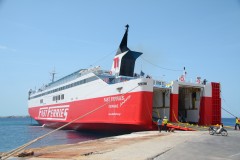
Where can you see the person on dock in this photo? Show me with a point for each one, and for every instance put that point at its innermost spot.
(165, 121)
(159, 123)
(237, 123)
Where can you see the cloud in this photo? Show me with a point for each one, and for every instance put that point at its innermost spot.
(5, 48)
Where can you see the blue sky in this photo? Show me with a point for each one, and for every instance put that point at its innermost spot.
(37, 36)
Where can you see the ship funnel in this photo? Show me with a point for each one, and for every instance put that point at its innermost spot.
(124, 60)
(123, 45)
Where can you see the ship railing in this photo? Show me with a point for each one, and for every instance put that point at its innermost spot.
(63, 80)
(158, 83)
(90, 70)
(70, 77)
(102, 72)
(110, 79)
(121, 79)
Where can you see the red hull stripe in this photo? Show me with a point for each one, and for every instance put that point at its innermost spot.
(131, 111)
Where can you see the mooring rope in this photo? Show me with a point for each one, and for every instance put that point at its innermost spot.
(228, 112)
(17, 150)
(225, 109)
(196, 127)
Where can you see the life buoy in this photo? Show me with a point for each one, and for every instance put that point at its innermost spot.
(182, 78)
(198, 81)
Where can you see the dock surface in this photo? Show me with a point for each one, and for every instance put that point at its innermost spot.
(150, 145)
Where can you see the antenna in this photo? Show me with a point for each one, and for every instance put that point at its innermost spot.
(53, 74)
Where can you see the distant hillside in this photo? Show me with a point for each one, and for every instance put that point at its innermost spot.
(15, 116)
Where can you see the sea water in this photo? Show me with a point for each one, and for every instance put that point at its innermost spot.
(15, 132)
(229, 121)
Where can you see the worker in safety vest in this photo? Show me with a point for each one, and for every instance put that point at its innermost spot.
(237, 123)
(165, 121)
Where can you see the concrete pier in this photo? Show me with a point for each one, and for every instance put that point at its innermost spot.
(149, 145)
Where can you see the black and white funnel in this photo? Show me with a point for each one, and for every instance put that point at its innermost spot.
(124, 60)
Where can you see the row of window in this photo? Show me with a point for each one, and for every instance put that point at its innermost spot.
(58, 97)
(67, 86)
(55, 98)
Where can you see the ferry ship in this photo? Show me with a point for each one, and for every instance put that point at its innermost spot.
(119, 99)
